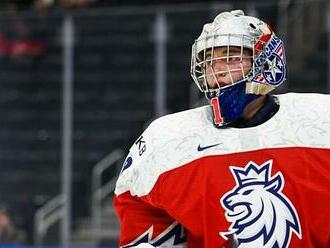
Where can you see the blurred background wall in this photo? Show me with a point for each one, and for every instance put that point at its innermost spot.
(81, 79)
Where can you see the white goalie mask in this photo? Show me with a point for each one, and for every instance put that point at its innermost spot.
(252, 62)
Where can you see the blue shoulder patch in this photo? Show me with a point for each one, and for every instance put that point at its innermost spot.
(127, 163)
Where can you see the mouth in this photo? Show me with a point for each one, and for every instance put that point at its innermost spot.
(235, 214)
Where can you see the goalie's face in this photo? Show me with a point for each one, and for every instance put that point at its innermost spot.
(223, 66)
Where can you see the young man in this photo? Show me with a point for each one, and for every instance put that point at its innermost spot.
(251, 170)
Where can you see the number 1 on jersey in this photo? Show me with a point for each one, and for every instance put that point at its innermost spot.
(216, 111)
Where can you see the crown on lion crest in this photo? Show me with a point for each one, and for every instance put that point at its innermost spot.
(253, 174)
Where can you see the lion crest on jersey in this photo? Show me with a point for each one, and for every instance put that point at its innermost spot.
(261, 215)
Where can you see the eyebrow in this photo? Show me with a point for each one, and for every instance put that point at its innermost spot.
(224, 52)
(235, 49)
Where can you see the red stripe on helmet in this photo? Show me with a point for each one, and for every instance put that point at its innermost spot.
(263, 40)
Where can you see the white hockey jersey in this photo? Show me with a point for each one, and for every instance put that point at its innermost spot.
(186, 183)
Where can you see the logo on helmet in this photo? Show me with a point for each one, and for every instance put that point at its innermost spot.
(270, 65)
(261, 215)
(276, 71)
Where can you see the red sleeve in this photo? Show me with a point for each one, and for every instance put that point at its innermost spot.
(138, 219)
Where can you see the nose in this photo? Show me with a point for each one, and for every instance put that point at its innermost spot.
(227, 201)
(221, 72)
(219, 65)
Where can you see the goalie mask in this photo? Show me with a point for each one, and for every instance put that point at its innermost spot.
(236, 59)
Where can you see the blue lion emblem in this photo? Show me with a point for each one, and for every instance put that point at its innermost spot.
(261, 215)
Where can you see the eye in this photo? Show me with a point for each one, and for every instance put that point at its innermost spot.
(234, 59)
(207, 61)
(247, 192)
